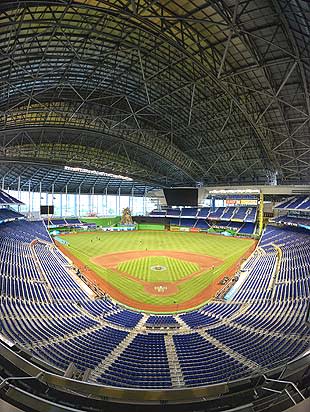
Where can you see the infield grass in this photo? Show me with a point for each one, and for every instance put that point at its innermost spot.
(145, 268)
(88, 245)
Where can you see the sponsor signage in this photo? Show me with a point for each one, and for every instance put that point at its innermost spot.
(118, 229)
(243, 202)
(184, 229)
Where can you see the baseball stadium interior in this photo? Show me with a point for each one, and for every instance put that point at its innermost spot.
(155, 206)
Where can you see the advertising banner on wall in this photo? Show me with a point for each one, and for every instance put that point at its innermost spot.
(252, 202)
(184, 229)
(241, 202)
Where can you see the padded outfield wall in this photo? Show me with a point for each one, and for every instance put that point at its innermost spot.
(150, 226)
(102, 221)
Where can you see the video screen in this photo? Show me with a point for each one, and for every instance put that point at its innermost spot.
(181, 197)
(47, 210)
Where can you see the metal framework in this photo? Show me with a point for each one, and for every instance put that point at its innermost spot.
(167, 92)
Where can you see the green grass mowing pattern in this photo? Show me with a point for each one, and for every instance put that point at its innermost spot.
(175, 269)
(87, 245)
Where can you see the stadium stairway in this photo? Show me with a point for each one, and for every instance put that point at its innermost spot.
(104, 365)
(176, 375)
(41, 272)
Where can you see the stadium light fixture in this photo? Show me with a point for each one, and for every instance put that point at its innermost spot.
(235, 192)
(97, 173)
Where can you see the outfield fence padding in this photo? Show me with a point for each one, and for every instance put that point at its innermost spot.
(146, 226)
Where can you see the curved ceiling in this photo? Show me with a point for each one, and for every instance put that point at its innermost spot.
(167, 92)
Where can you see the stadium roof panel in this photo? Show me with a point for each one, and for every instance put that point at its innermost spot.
(38, 177)
(167, 93)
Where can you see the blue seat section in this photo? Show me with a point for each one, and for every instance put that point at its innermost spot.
(228, 213)
(216, 214)
(190, 217)
(263, 349)
(19, 276)
(247, 229)
(58, 222)
(173, 212)
(203, 213)
(106, 309)
(34, 322)
(85, 351)
(293, 220)
(143, 363)
(6, 199)
(100, 307)
(287, 237)
(234, 225)
(25, 231)
(297, 202)
(189, 212)
(241, 213)
(203, 363)
(188, 222)
(256, 284)
(281, 321)
(202, 224)
(162, 320)
(9, 214)
(300, 202)
(251, 215)
(125, 318)
(73, 221)
(209, 314)
(158, 213)
(63, 286)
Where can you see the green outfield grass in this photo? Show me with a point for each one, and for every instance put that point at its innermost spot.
(88, 245)
(143, 268)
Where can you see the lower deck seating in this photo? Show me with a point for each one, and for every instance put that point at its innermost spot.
(6, 213)
(143, 363)
(203, 363)
(45, 311)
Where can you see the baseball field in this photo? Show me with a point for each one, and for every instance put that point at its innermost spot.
(157, 271)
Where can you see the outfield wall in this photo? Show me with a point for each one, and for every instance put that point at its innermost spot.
(146, 226)
(102, 221)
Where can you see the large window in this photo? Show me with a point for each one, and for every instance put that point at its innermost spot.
(83, 205)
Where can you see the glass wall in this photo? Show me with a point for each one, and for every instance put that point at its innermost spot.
(83, 205)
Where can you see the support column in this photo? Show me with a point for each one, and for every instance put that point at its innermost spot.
(106, 201)
(61, 214)
(53, 187)
(40, 190)
(144, 199)
(66, 192)
(29, 197)
(119, 201)
(97, 206)
(19, 193)
(132, 196)
(261, 213)
(79, 210)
